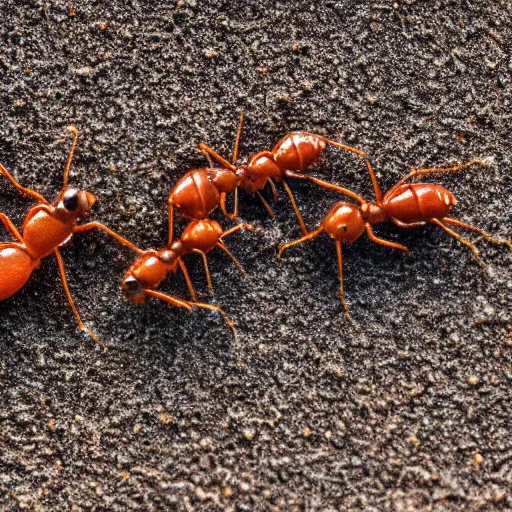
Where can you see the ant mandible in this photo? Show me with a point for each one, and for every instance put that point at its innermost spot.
(46, 229)
(201, 190)
(407, 205)
(152, 267)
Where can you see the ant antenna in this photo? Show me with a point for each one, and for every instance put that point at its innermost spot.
(238, 136)
(73, 130)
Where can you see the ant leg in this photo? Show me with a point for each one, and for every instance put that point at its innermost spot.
(82, 326)
(295, 208)
(170, 299)
(222, 202)
(421, 172)
(324, 184)
(481, 232)
(342, 293)
(190, 286)
(408, 225)
(375, 183)
(209, 158)
(174, 301)
(206, 268)
(73, 130)
(462, 240)
(113, 234)
(221, 246)
(346, 148)
(10, 227)
(242, 225)
(265, 204)
(22, 190)
(306, 238)
(380, 241)
(274, 190)
(238, 136)
(235, 212)
(209, 151)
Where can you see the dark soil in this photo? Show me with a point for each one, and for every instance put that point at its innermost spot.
(305, 413)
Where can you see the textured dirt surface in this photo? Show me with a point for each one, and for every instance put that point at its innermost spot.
(305, 413)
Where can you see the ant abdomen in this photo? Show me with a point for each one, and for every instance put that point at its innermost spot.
(195, 196)
(16, 266)
(298, 151)
(418, 202)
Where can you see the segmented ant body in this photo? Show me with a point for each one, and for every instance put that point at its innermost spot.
(291, 157)
(46, 229)
(406, 204)
(152, 267)
(199, 192)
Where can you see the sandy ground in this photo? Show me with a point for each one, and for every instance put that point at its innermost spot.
(305, 413)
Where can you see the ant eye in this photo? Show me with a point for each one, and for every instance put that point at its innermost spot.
(131, 285)
(345, 228)
(70, 200)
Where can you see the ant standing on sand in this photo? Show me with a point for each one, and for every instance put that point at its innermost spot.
(46, 229)
(200, 191)
(407, 205)
(152, 267)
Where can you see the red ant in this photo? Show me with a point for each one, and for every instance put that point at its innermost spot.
(152, 267)
(46, 229)
(201, 190)
(407, 205)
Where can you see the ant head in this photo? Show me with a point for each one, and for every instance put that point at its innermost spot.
(344, 222)
(133, 289)
(73, 204)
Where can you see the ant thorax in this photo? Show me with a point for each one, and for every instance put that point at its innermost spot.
(170, 257)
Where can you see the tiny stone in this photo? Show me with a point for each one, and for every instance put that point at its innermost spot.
(164, 418)
(477, 459)
(473, 380)
(249, 434)
(201, 495)
(414, 441)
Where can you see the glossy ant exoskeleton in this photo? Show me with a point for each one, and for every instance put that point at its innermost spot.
(406, 204)
(201, 190)
(46, 229)
(152, 267)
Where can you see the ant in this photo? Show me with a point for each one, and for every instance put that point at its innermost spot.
(407, 205)
(200, 191)
(152, 267)
(46, 229)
